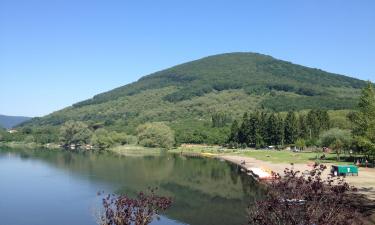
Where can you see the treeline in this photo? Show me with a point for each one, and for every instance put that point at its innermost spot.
(259, 129)
(77, 134)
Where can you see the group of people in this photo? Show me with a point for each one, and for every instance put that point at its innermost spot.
(359, 163)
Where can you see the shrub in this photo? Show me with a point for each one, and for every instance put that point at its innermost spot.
(121, 210)
(155, 134)
(305, 199)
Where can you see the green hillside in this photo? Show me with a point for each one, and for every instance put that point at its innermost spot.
(186, 96)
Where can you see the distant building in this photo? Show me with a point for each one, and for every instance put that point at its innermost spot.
(12, 131)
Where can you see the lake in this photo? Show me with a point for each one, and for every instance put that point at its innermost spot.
(42, 187)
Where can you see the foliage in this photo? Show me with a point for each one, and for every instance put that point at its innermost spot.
(102, 139)
(123, 138)
(336, 139)
(363, 121)
(259, 129)
(246, 70)
(317, 121)
(124, 210)
(155, 135)
(220, 119)
(300, 143)
(305, 199)
(291, 128)
(76, 133)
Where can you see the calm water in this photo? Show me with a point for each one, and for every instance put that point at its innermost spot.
(48, 187)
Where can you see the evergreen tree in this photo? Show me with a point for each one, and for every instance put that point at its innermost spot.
(313, 124)
(364, 121)
(244, 129)
(280, 130)
(234, 132)
(272, 132)
(291, 128)
(303, 131)
(254, 137)
(262, 129)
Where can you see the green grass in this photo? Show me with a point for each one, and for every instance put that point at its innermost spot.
(204, 149)
(266, 155)
(292, 157)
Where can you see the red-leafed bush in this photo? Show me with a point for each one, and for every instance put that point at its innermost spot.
(123, 210)
(305, 199)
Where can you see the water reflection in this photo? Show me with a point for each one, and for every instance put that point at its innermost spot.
(205, 191)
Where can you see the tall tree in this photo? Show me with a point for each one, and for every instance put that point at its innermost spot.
(313, 124)
(291, 128)
(244, 129)
(255, 138)
(74, 132)
(303, 131)
(234, 131)
(364, 120)
(280, 130)
(272, 132)
(317, 122)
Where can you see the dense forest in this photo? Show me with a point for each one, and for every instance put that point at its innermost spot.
(199, 100)
(260, 129)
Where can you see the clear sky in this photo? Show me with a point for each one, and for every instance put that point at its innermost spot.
(54, 53)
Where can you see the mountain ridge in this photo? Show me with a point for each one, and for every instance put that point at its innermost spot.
(8, 122)
(174, 76)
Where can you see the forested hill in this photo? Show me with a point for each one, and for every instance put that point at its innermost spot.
(186, 96)
(254, 73)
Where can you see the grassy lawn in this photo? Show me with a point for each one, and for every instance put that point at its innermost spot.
(292, 157)
(281, 156)
(203, 149)
(266, 155)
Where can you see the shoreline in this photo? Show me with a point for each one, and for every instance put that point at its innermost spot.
(365, 181)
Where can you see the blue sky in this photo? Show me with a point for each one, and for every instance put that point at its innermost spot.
(54, 53)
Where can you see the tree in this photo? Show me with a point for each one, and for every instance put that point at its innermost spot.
(243, 133)
(273, 137)
(301, 143)
(255, 130)
(280, 130)
(102, 139)
(155, 134)
(262, 129)
(297, 198)
(303, 131)
(76, 133)
(336, 139)
(123, 138)
(291, 128)
(317, 122)
(363, 121)
(233, 137)
(220, 119)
